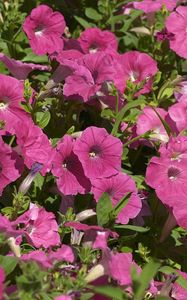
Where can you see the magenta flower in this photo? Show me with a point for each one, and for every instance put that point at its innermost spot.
(176, 149)
(181, 91)
(19, 69)
(63, 297)
(138, 67)
(39, 257)
(11, 165)
(177, 113)
(149, 121)
(64, 253)
(176, 24)
(149, 6)
(68, 169)
(2, 278)
(40, 227)
(117, 187)
(44, 29)
(170, 179)
(178, 292)
(11, 95)
(118, 266)
(99, 152)
(34, 145)
(89, 74)
(94, 39)
(9, 228)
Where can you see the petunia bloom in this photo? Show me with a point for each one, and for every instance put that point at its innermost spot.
(149, 6)
(40, 227)
(19, 69)
(44, 28)
(68, 169)
(177, 113)
(94, 39)
(138, 67)
(2, 278)
(11, 95)
(99, 152)
(176, 24)
(117, 187)
(11, 166)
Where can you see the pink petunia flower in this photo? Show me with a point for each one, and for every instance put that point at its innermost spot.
(138, 67)
(64, 253)
(90, 73)
(117, 187)
(175, 149)
(68, 169)
(2, 278)
(99, 152)
(11, 166)
(11, 95)
(44, 28)
(63, 297)
(149, 120)
(9, 228)
(40, 227)
(149, 6)
(177, 113)
(176, 24)
(95, 236)
(39, 257)
(19, 69)
(94, 39)
(178, 292)
(170, 180)
(34, 145)
(181, 91)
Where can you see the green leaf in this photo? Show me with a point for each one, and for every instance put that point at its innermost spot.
(31, 57)
(122, 203)
(43, 118)
(148, 273)
(160, 297)
(82, 22)
(180, 280)
(104, 209)
(38, 181)
(8, 263)
(92, 14)
(122, 112)
(133, 228)
(110, 291)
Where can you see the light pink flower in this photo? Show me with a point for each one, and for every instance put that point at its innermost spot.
(89, 74)
(19, 69)
(11, 95)
(138, 67)
(11, 166)
(94, 39)
(44, 28)
(117, 187)
(40, 227)
(176, 24)
(68, 169)
(34, 145)
(149, 6)
(99, 152)
(149, 120)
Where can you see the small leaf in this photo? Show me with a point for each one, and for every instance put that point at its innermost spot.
(133, 228)
(104, 209)
(82, 22)
(43, 118)
(92, 14)
(148, 273)
(122, 203)
(110, 291)
(8, 263)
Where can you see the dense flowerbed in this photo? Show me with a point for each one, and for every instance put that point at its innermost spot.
(93, 149)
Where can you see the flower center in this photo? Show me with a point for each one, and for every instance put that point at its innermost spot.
(173, 173)
(134, 76)
(95, 151)
(39, 30)
(3, 103)
(93, 48)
